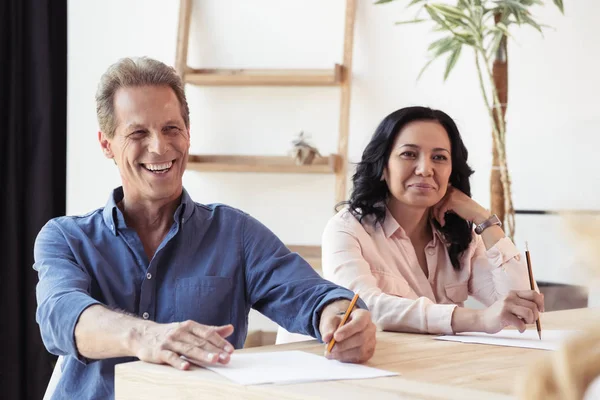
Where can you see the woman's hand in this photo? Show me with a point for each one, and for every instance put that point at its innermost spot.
(517, 309)
(459, 203)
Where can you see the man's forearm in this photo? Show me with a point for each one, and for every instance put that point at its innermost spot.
(102, 333)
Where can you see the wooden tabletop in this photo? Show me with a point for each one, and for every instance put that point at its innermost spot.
(428, 368)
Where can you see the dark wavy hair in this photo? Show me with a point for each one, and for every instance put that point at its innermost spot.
(370, 192)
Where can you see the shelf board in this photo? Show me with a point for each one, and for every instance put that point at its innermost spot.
(312, 254)
(272, 164)
(265, 77)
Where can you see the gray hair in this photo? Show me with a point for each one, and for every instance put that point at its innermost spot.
(135, 72)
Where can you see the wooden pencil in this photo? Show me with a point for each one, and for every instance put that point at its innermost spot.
(343, 321)
(538, 323)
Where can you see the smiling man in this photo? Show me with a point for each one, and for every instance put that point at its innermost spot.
(157, 277)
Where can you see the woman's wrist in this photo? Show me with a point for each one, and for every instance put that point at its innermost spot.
(467, 320)
(481, 216)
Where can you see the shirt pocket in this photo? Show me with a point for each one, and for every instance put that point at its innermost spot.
(207, 300)
(457, 292)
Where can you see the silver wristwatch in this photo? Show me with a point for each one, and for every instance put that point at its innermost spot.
(493, 220)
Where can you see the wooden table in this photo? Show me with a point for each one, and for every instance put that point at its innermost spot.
(428, 368)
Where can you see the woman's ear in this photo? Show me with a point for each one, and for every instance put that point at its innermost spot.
(384, 175)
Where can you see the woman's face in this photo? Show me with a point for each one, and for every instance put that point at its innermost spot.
(420, 164)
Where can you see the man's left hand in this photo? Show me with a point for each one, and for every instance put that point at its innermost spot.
(355, 341)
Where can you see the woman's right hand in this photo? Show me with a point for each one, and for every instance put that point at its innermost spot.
(518, 308)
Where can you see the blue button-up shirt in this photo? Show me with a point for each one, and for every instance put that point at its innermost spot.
(214, 264)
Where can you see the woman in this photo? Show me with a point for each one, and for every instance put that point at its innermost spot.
(405, 242)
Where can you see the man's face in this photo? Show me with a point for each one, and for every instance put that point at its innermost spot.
(151, 142)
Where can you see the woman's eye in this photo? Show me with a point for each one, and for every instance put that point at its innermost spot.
(440, 158)
(408, 154)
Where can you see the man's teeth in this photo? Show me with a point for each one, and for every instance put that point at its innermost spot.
(158, 167)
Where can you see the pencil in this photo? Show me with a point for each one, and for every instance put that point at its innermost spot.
(538, 323)
(343, 321)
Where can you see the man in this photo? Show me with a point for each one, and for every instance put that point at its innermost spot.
(157, 277)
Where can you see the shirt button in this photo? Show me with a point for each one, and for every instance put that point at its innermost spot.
(431, 251)
(145, 315)
(182, 220)
(148, 275)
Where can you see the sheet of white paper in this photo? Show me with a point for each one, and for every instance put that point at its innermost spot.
(291, 367)
(551, 339)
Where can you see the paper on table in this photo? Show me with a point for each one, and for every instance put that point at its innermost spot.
(551, 339)
(291, 367)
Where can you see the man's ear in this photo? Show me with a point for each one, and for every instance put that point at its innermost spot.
(105, 144)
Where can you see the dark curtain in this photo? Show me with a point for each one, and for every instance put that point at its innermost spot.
(33, 103)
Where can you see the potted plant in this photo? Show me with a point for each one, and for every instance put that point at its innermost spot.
(483, 26)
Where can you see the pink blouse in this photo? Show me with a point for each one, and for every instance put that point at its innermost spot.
(380, 264)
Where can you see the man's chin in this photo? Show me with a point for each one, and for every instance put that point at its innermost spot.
(163, 191)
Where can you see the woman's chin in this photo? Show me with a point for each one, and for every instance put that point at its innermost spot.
(421, 202)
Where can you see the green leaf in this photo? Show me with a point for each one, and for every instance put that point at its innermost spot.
(451, 62)
(494, 44)
(502, 27)
(425, 67)
(510, 4)
(442, 46)
(412, 21)
(528, 20)
(465, 38)
(450, 11)
(413, 2)
(436, 17)
(383, 1)
(559, 4)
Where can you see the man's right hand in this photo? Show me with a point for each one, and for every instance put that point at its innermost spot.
(167, 343)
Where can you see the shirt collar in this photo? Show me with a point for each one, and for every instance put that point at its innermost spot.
(113, 217)
(391, 226)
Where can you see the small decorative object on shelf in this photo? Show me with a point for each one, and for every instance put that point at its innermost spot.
(302, 152)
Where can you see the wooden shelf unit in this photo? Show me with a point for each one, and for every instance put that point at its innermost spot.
(339, 76)
(264, 77)
(269, 164)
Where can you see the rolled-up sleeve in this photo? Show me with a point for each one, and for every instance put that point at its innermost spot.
(344, 264)
(497, 271)
(63, 291)
(282, 285)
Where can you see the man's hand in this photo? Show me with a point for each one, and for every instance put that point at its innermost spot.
(166, 343)
(355, 341)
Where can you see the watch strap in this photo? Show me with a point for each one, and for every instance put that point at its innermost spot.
(491, 221)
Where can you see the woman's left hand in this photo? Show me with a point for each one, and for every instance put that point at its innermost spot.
(459, 203)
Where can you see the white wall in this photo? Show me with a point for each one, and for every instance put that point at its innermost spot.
(553, 118)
